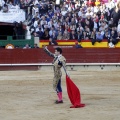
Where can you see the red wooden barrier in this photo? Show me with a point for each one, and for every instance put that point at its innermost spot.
(73, 55)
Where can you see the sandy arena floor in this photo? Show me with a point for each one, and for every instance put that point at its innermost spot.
(28, 95)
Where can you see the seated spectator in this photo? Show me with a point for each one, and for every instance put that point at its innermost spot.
(106, 36)
(99, 36)
(2, 2)
(118, 36)
(88, 33)
(27, 46)
(46, 34)
(43, 9)
(77, 45)
(5, 8)
(73, 27)
(110, 44)
(73, 35)
(50, 23)
(95, 24)
(66, 35)
(80, 12)
(79, 35)
(35, 46)
(89, 12)
(54, 38)
(10, 5)
(36, 22)
(113, 37)
(63, 11)
(118, 27)
(51, 31)
(60, 37)
(52, 42)
(35, 10)
(93, 37)
(43, 21)
(39, 32)
(79, 26)
(111, 4)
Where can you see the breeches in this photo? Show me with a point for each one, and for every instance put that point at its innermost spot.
(57, 85)
(59, 89)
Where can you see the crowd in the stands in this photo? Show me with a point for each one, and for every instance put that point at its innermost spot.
(73, 20)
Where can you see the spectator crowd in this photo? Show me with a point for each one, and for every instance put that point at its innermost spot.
(73, 20)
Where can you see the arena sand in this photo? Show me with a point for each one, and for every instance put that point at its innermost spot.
(28, 95)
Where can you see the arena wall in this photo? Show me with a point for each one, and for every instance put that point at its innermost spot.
(34, 59)
(83, 43)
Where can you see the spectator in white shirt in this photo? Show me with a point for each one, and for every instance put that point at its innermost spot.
(52, 30)
(43, 21)
(36, 2)
(35, 10)
(80, 12)
(63, 11)
(36, 22)
(95, 24)
(111, 4)
(27, 46)
(50, 23)
(118, 28)
(2, 2)
(110, 44)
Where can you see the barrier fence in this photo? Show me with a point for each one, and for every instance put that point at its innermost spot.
(37, 56)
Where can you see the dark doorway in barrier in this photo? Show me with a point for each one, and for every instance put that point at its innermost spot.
(6, 30)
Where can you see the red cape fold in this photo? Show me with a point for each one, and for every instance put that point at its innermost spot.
(73, 93)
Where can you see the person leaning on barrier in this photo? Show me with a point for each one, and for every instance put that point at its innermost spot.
(77, 45)
(35, 46)
(27, 46)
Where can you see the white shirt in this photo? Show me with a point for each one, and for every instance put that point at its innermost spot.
(49, 24)
(36, 10)
(69, 9)
(37, 29)
(63, 13)
(111, 4)
(79, 13)
(57, 2)
(2, 2)
(43, 22)
(118, 28)
(95, 25)
(95, 9)
(36, 2)
(111, 45)
(35, 23)
(50, 32)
